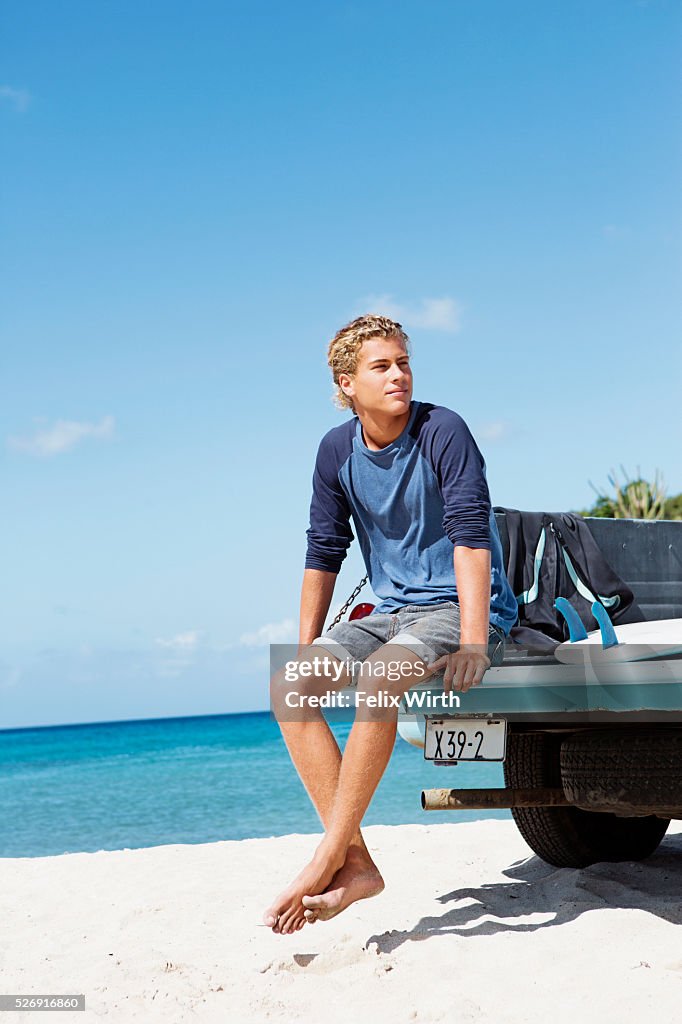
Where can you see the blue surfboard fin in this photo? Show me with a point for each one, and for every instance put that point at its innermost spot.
(608, 633)
(576, 629)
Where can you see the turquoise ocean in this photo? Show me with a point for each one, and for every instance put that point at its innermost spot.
(117, 785)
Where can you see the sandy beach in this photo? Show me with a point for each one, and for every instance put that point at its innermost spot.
(471, 927)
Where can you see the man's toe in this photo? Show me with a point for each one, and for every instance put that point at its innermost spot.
(283, 923)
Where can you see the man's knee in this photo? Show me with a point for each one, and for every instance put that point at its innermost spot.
(394, 668)
(382, 681)
(314, 672)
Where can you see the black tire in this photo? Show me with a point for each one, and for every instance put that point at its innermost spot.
(629, 771)
(568, 837)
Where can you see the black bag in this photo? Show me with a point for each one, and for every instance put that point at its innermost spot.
(554, 555)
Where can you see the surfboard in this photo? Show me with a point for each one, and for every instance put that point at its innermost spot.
(635, 641)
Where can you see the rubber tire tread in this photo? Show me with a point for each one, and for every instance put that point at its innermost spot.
(628, 768)
(568, 837)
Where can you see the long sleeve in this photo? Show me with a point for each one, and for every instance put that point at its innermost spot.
(460, 470)
(330, 533)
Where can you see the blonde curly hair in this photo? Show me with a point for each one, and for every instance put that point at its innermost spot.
(342, 354)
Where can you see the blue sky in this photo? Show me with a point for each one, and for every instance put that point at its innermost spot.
(196, 197)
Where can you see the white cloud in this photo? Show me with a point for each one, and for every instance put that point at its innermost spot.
(616, 230)
(65, 434)
(18, 98)
(9, 676)
(179, 653)
(441, 314)
(181, 642)
(495, 430)
(272, 633)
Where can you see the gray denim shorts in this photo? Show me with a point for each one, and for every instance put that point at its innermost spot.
(428, 630)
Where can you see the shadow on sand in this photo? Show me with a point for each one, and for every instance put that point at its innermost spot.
(561, 894)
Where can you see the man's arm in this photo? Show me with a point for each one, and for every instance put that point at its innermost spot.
(460, 470)
(316, 596)
(467, 666)
(329, 536)
(472, 572)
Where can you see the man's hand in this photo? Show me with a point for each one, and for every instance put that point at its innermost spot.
(462, 669)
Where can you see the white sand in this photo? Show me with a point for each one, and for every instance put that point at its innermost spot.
(471, 927)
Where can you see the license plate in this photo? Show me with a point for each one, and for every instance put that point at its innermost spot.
(465, 739)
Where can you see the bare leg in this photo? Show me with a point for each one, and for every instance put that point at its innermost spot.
(317, 758)
(366, 755)
(369, 748)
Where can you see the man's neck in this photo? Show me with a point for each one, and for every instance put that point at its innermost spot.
(380, 431)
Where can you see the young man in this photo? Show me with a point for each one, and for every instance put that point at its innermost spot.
(411, 478)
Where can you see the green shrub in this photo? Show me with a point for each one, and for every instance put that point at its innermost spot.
(635, 499)
(672, 507)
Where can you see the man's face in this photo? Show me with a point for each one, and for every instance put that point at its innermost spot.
(382, 382)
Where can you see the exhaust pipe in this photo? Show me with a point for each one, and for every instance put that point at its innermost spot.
(491, 799)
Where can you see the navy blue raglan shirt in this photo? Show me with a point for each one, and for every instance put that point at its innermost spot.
(410, 504)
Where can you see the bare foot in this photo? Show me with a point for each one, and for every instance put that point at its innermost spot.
(286, 914)
(357, 879)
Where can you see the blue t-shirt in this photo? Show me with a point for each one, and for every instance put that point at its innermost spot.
(411, 503)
